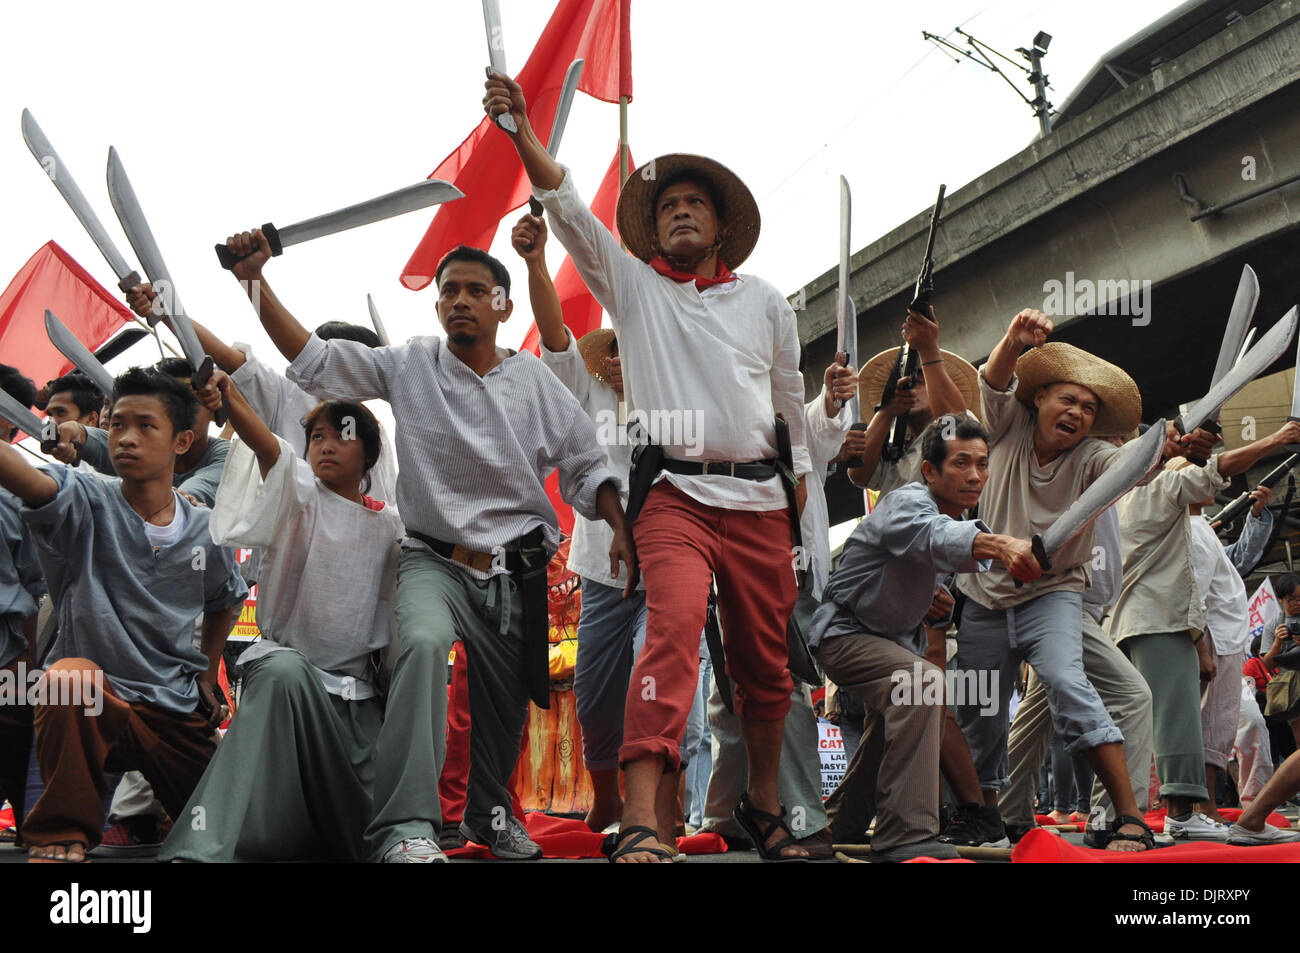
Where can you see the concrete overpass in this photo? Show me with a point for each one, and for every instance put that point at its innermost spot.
(1095, 204)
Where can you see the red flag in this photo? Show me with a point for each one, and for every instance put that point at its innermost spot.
(52, 279)
(581, 310)
(485, 166)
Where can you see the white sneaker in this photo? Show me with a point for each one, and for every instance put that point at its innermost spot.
(415, 850)
(1244, 837)
(1195, 826)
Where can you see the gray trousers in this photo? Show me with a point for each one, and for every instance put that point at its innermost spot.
(894, 774)
(1128, 702)
(436, 605)
(1046, 632)
(798, 778)
(292, 778)
(1169, 664)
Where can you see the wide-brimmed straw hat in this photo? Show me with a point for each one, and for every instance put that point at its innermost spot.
(1056, 362)
(595, 346)
(737, 212)
(875, 373)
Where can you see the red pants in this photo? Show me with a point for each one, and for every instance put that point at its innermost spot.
(453, 784)
(680, 544)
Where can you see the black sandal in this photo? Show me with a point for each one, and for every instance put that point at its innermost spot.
(611, 849)
(1102, 838)
(749, 817)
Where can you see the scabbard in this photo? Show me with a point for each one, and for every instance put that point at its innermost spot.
(713, 638)
(531, 579)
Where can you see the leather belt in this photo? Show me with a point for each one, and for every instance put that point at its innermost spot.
(753, 470)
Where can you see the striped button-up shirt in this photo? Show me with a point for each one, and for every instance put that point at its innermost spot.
(473, 453)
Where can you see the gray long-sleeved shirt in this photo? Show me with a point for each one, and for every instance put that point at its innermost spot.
(473, 452)
(890, 566)
(21, 580)
(1248, 548)
(201, 482)
(121, 604)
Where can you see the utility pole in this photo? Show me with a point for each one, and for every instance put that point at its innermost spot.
(979, 54)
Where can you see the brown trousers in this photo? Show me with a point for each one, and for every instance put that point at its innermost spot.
(894, 774)
(74, 748)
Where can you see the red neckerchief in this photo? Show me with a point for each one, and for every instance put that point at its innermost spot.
(668, 271)
(371, 504)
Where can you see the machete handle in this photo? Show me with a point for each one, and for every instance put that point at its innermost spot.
(1210, 426)
(1040, 553)
(535, 207)
(854, 462)
(229, 259)
(1291, 447)
(130, 281)
(199, 380)
(505, 121)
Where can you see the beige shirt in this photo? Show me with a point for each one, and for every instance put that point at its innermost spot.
(1021, 499)
(1160, 592)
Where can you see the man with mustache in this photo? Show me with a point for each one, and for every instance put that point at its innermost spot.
(1044, 411)
(699, 343)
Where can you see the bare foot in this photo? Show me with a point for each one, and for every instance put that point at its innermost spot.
(71, 853)
(1059, 817)
(602, 816)
(641, 843)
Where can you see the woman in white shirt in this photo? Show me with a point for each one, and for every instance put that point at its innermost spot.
(292, 779)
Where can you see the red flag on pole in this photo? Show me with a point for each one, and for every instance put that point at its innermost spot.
(52, 279)
(485, 166)
(581, 310)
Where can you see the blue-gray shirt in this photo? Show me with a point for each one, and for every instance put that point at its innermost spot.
(21, 580)
(200, 482)
(117, 602)
(890, 566)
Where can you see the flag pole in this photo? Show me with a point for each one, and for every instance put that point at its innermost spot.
(622, 141)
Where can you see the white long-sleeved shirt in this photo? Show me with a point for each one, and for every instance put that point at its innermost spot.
(329, 565)
(473, 452)
(825, 436)
(1223, 594)
(589, 547)
(705, 370)
(282, 405)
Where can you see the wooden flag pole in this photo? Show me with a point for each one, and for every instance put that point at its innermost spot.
(623, 170)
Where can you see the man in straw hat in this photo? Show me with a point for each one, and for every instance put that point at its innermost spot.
(1159, 620)
(1044, 411)
(946, 384)
(611, 629)
(699, 343)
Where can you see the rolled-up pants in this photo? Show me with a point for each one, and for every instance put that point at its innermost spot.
(681, 543)
(1123, 691)
(1168, 662)
(1221, 709)
(1047, 633)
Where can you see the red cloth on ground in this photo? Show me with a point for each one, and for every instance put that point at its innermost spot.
(6, 819)
(1044, 820)
(1041, 847)
(571, 839)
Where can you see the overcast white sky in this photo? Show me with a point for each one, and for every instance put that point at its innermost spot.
(229, 117)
